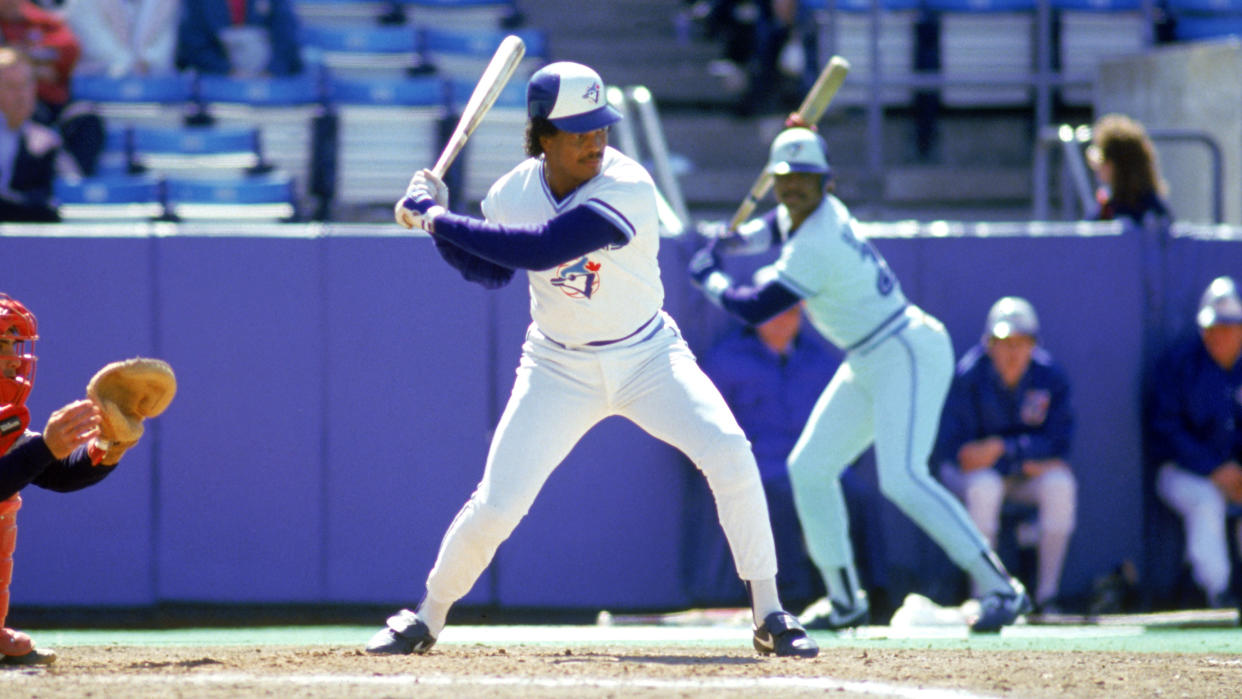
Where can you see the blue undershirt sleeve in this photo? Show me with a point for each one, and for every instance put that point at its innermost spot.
(756, 304)
(562, 238)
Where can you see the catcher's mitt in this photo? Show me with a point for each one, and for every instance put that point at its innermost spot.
(127, 392)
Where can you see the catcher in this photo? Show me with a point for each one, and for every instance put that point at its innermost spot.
(80, 445)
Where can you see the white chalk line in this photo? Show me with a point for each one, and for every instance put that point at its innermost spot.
(879, 689)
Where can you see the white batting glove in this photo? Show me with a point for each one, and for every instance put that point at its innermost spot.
(426, 181)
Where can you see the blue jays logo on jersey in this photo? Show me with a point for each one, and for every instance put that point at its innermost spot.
(1035, 403)
(579, 279)
(592, 93)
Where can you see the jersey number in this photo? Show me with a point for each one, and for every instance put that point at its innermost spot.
(884, 279)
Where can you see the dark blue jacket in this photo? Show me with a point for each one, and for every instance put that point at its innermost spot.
(1196, 407)
(198, 35)
(770, 398)
(1035, 419)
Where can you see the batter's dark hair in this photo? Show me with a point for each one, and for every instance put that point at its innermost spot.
(537, 128)
(1123, 142)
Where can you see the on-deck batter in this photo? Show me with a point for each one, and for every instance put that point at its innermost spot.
(581, 218)
(888, 391)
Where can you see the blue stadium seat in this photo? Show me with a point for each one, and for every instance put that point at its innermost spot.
(336, 13)
(459, 14)
(195, 151)
(462, 54)
(497, 144)
(387, 129)
(110, 198)
(848, 33)
(268, 197)
(283, 109)
(354, 51)
(114, 158)
(1094, 30)
(1197, 20)
(986, 40)
(136, 100)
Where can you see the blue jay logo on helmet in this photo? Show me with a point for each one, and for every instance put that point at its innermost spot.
(569, 95)
(799, 150)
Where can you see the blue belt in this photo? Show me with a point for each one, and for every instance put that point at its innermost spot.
(879, 333)
(605, 343)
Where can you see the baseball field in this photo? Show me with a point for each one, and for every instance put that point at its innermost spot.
(1138, 656)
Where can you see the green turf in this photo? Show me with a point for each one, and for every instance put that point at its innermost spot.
(1134, 639)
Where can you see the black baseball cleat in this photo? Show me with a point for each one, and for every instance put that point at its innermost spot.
(1002, 608)
(823, 615)
(405, 634)
(783, 635)
(35, 657)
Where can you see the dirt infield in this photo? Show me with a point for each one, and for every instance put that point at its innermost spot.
(474, 670)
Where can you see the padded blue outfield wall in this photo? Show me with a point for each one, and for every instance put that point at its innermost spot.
(338, 385)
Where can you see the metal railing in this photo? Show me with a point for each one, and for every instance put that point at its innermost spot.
(646, 143)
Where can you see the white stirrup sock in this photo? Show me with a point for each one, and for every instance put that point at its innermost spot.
(763, 599)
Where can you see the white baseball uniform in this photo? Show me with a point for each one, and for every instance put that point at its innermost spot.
(888, 390)
(600, 345)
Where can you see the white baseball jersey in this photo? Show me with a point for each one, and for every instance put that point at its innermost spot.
(848, 287)
(603, 295)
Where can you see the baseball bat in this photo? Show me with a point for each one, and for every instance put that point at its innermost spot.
(810, 111)
(504, 62)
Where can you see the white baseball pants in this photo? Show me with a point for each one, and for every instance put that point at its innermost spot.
(558, 395)
(1202, 508)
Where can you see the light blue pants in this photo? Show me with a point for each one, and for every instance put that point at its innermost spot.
(890, 393)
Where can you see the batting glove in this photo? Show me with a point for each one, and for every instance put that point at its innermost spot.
(706, 274)
(425, 181)
(418, 211)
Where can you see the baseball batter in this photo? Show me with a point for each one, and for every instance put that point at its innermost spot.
(581, 218)
(888, 391)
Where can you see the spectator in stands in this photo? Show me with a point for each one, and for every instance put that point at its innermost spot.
(30, 153)
(752, 35)
(1196, 434)
(771, 375)
(242, 38)
(53, 49)
(125, 37)
(1124, 161)
(1005, 433)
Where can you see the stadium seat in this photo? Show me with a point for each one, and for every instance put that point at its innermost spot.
(1094, 30)
(114, 158)
(499, 141)
(110, 198)
(1197, 20)
(339, 13)
(268, 197)
(196, 151)
(363, 52)
(387, 129)
(283, 109)
(459, 14)
(136, 100)
(983, 40)
(459, 54)
(847, 32)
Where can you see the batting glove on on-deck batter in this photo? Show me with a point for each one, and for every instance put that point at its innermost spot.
(424, 200)
(706, 274)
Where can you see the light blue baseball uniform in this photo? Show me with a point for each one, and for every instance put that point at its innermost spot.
(889, 390)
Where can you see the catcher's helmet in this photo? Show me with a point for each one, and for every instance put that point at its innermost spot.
(1219, 304)
(571, 96)
(18, 331)
(799, 150)
(1011, 315)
